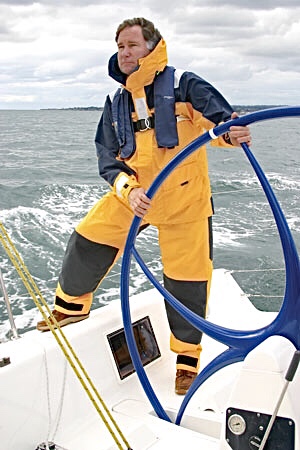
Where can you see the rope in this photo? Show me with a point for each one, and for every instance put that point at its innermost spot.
(60, 406)
(264, 296)
(254, 270)
(48, 398)
(61, 339)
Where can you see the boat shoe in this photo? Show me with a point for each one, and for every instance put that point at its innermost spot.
(183, 381)
(62, 320)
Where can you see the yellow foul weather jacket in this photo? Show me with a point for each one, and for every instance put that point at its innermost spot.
(185, 196)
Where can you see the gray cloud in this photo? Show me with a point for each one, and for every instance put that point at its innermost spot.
(257, 4)
(158, 5)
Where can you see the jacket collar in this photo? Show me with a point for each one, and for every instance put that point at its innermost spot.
(144, 72)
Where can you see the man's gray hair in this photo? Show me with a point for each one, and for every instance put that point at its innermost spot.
(151, 34)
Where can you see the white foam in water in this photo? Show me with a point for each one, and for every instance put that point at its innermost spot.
(40, 236)
(294, 223)
(25, 321)
(224, 237)
(45, 199)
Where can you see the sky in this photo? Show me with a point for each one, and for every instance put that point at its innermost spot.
(54, 53)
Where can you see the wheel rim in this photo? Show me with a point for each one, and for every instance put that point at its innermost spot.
(240, 343)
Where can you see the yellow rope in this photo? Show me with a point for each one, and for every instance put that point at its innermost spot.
(62, 341)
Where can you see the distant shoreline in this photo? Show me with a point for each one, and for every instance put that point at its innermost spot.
(75, 108)
(241, 109)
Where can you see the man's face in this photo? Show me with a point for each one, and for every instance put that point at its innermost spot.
(131, 47)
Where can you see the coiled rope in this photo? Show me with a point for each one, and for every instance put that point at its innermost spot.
(62, 341)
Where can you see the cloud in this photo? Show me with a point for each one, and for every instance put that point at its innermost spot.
(257, 4)
(54, 54)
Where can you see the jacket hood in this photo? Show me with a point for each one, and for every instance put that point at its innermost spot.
(114, 70)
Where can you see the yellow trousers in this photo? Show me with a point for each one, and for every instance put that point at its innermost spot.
(99, 240)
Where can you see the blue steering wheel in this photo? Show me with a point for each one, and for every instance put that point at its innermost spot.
(239, 342)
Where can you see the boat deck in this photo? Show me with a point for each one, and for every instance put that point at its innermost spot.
(41, 398)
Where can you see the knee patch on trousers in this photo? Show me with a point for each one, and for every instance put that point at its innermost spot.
(84, 265)
(192, 294)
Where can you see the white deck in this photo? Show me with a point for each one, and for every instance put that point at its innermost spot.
(41, 398)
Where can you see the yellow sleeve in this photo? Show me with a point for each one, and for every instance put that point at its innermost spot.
(124, 184)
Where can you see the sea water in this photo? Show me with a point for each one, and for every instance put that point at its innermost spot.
(49, 180)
